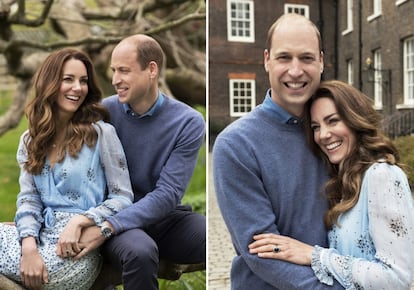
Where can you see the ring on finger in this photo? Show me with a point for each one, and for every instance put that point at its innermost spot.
(276, 249)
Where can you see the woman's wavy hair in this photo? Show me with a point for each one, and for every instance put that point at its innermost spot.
(356, 111)
(42, 116)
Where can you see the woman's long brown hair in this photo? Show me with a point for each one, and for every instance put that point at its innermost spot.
(356, 111)
(41, 111)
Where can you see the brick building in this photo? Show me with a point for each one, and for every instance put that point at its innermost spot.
(367, 43)
(376, 55)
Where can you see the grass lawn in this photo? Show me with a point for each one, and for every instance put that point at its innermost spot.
(9, 172)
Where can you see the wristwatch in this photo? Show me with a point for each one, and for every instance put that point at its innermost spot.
(106, 231)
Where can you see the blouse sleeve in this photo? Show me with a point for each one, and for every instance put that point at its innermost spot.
(391, 226)
(119, 195)
(29, 216)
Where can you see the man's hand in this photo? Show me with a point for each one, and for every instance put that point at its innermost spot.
(91, 238)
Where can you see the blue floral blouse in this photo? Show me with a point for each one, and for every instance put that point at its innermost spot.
(95, 184)
(373, 248)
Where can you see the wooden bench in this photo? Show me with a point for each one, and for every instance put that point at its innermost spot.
(7, 284)
(111, 276)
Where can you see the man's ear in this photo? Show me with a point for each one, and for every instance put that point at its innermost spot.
(266, 59)
(153, 69)
(322, 63)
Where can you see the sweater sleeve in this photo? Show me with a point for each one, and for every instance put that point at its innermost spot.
(119, 195)
(29, 217)
(391, 216)
(246, 209)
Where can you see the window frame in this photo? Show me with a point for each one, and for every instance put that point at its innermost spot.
(349, 17)
(408, 73)
(252, 97)
(249, 21)
(350, 71)
(288, 6)
(399, 2)
(376, 10)
(378, 79)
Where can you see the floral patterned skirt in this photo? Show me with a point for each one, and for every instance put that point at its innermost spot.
(63, 273)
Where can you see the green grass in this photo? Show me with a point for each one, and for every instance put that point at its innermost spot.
(9, 172)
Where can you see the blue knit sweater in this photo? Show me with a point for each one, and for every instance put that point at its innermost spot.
(161, 151)
(267, 180)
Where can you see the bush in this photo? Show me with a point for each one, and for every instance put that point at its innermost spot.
(405, 146)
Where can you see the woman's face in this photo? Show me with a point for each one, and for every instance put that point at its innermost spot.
(330, 132)
(73, 88)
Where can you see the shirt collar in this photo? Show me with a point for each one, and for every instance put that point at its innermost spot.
(128, 110)
(283, 116)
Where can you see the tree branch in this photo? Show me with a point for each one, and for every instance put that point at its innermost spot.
(20, 16)
(175, 23)
(4, 47)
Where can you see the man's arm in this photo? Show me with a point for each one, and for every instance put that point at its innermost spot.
(171, 184)
(247, 210)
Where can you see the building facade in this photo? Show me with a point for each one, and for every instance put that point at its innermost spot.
(376, 55)
(369, 44)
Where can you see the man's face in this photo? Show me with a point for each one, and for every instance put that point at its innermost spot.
(131, 82)
(294, 64)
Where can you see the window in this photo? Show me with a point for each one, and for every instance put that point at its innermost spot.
(349, 18)
(408, 59)
(299, 9)
(242, 96)
(376, 10)
(378, 81)
(240, 20)
(377, 6)
(350, 71)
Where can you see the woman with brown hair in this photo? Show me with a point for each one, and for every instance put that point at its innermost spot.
(371, 215)
(73, 175)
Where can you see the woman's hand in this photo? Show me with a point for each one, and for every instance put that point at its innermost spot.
(274, 246)
(68, 243)
(32, 267)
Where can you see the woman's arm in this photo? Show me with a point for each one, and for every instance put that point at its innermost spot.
(29, 214)
(118, 181)
(391, 226)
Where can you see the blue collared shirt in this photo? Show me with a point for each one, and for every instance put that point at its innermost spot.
(128, 110)
(283, 116)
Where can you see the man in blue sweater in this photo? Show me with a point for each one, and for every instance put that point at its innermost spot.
(161, 138)
(266, 178)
